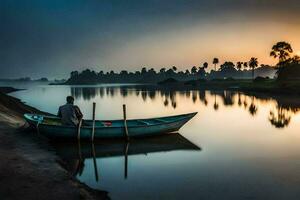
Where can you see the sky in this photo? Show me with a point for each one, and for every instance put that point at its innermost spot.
(50, 38)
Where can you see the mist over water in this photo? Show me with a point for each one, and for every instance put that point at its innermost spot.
(250, 143)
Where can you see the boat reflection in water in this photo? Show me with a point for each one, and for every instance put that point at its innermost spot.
(75, 153)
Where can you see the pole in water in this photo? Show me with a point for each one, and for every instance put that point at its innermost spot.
(125, 122)
(126, 160)
(95, 162)
(93, 129)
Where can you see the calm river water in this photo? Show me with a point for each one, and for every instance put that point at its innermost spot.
(238, 146)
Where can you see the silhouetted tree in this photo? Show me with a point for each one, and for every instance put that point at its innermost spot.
(194, 70)
(143, 71)
(74, 74)
(162, 70)
(174, 68)
(296, 60)
(170, 72)
(137, 73)
(101, 73)
(239, 65)
(282, 50)
(253, 63)
(245, 64)
(227, 65)
(124, 73)
(215, 62)
(152, 71)
(201, 72)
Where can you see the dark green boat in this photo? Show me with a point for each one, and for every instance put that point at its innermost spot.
(52, 127)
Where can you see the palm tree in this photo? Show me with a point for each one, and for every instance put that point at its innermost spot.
(245, 64)
(239, 65)
(252, 64)
(205, 65)
(281, 50)
(174, 68)
(215, 62)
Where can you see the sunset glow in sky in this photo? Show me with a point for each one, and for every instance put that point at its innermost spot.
(52, 37)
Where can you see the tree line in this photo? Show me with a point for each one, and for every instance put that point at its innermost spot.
(241, 69)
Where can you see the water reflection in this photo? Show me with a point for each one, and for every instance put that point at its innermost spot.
(252, 108)
(216, 105)
(227, 97)
(75, 153)
(279, 116)
(249, 139)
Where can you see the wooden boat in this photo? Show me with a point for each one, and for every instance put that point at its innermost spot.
(53, 128)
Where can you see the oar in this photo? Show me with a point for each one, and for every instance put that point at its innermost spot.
(125, 122)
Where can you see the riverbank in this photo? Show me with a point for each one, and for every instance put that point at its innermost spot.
(29, 168)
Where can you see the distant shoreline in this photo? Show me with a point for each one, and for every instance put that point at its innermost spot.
(269, 86)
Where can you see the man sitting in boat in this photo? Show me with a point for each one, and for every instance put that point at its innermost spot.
(69, 113)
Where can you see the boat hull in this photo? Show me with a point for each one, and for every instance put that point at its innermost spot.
(136, 128)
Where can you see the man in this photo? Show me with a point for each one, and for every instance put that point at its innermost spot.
(69, 113)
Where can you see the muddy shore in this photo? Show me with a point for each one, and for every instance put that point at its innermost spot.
(29, 168)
